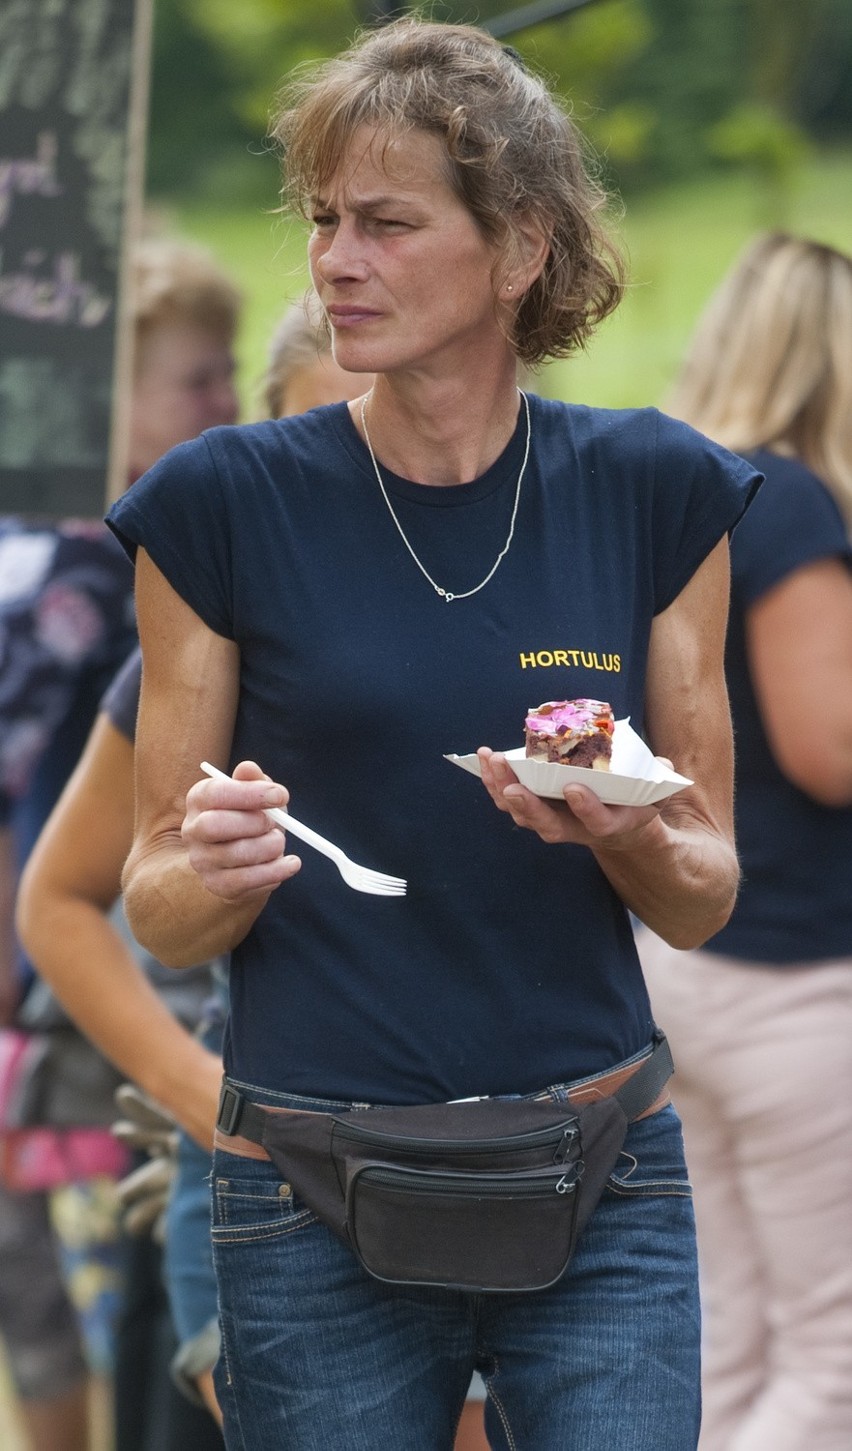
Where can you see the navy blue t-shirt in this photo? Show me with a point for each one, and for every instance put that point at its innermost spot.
(795, 902)
(510, 963)
(121, 701)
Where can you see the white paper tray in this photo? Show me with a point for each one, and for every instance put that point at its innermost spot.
(636, 777)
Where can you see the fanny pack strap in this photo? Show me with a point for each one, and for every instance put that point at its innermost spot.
(649, 1080)
(238, 1115)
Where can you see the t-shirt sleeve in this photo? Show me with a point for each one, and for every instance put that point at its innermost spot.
(701, 491)
(794, 522)
(121, 701)
(178, 513)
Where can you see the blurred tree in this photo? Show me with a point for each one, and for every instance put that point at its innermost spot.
(215, 71)
(693, 67)
(590, 58)
(757, 136)
(665, 88)
(192, 108)
(823, 94)
(264, 39)
(761, 131)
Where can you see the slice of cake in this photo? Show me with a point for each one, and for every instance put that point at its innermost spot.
(571, 733)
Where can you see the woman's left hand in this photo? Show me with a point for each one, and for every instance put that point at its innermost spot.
(674, 864)
(582, 819)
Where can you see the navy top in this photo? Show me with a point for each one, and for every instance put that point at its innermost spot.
(121, 701)
(795, 903)
(510, 963)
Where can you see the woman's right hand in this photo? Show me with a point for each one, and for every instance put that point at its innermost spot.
(230, 841)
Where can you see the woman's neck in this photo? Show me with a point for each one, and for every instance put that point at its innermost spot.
(439, 432)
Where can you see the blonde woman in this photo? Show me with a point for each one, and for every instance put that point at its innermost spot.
(760, 1019)
(300, 370)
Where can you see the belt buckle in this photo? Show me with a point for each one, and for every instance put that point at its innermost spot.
(230, 1108)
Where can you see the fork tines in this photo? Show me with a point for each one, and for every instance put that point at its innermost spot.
(383, 886)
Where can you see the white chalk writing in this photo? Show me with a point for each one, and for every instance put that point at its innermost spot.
(62, 297)
(29, 176)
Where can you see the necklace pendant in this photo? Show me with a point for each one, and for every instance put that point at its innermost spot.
(446, 594)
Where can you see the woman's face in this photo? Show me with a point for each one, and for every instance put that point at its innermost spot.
(184, 383)
(400, 267)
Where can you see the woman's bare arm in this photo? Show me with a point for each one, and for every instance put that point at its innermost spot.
(799, 638)
(674, 865)
(204, 858)
(70, 883)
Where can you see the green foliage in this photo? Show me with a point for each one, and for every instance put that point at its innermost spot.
(623, 135)
(664, 88)
(266, 39)
(590, 52)
(216, 68)
(695, 61)
(587, 61)
(755, 137)
(191, 113)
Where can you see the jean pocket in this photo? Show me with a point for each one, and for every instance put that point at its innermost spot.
(652, 1160)
(251, 1209)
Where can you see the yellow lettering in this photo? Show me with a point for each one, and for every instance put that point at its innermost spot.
(589, 659)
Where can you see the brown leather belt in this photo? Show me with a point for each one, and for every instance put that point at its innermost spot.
(603, 1087)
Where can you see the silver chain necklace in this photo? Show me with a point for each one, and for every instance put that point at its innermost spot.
(445, 593)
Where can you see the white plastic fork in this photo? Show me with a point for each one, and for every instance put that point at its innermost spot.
(361, 879)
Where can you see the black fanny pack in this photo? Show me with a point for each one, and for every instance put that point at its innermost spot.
(488, 1195)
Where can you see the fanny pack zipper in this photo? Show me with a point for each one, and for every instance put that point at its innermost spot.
(562, 1136)
(427, 1181)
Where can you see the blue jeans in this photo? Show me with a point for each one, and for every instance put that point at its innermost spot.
(188, 1257)
(318, 1356)
(189, 1273)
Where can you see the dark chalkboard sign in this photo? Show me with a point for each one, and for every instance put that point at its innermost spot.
(73, 82)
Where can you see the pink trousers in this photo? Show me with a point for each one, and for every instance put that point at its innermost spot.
(763, 1083)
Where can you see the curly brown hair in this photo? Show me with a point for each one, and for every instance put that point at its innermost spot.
(513, 155)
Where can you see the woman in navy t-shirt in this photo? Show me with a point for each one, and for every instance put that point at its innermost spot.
(328, 605)
(761, 1018)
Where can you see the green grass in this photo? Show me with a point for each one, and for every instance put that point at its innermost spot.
(680, 241)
